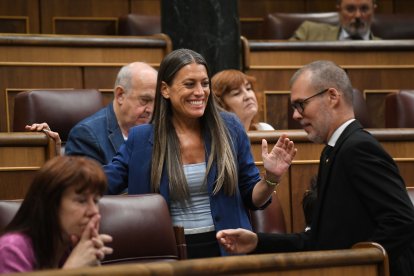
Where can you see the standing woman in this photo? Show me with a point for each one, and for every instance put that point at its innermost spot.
(197, 158)
(235, 93)
(58, 222)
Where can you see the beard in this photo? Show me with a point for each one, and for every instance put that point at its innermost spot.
(357, 28)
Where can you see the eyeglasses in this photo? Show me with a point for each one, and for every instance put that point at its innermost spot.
(351, 9)
(300, 105)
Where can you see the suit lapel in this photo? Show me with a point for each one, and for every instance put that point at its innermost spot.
(325, 171)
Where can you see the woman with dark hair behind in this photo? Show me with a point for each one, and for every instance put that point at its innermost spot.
(197, 158)
(235, 93)
(57, 223)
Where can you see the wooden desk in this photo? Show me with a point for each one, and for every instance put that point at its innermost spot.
(21, 155)
(399, 143)
(59, 61)
(371, 65)
(362, 260)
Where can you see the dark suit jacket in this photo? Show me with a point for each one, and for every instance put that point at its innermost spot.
(98, 136)
(361, 197)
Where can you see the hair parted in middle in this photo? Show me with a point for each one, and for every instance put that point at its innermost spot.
(166, 151)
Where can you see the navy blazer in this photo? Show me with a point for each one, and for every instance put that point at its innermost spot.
(361, 197)
(98, 136)
(131, 167)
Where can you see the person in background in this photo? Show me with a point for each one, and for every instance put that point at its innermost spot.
(100, 135)
(235, 93)
(360, 193)
(57, 224)
(355, 17)
(197, 158)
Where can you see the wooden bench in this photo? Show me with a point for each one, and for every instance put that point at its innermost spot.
(378, 67)
(364, 259)
(399, 143)
(21, 155)
(30, 62)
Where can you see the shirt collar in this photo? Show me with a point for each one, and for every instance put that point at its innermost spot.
(338, 132)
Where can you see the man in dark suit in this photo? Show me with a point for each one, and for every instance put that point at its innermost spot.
(355, 18)
(361, 195)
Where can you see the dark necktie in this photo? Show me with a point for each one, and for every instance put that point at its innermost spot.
(325, 154)
(356, 37)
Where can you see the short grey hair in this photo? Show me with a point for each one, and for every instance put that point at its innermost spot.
(326, 74)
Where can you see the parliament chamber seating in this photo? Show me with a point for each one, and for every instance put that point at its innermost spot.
(271, 219)
(139, 24)
(61, 109)
(386, 26)
(140, 225)
(22, 154)
(399, 109)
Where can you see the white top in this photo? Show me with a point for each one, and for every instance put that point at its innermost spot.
(264, 126)
(195, 214)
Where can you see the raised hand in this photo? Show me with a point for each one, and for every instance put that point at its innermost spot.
(277, 161)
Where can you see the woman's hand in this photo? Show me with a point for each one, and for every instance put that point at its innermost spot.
(278, 160)
(46, 129)
(237, 241)
(89, 249)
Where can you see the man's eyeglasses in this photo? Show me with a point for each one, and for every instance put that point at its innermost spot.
(351, 9)
(300, 105)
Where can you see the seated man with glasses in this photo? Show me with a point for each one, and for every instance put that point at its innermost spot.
(355, 17)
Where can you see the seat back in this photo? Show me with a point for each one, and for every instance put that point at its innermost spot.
(283, 25)
(8, 208)
(361, 109)
(399, 109)
(393, 26)
(61, 109)
(141, 228)
(139, 24)
(269, 220)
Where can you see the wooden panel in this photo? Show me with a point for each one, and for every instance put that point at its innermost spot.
(404, 6)
(14, 79)
(259, 8)
(365, 260)
(276, 108)
(399, 143)
(371, 65)
(40, 61)
(21, 155)
(85, 25)
(251, 27)
(24, 8)
(147, 7)
(14, 24)
(79, 8)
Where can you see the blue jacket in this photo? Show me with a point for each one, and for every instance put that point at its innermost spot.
(131, 167)
(98, 136)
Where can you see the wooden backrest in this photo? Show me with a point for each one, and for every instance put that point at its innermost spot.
(22, 154)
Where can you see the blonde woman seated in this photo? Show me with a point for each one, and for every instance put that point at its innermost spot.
(235, 93)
